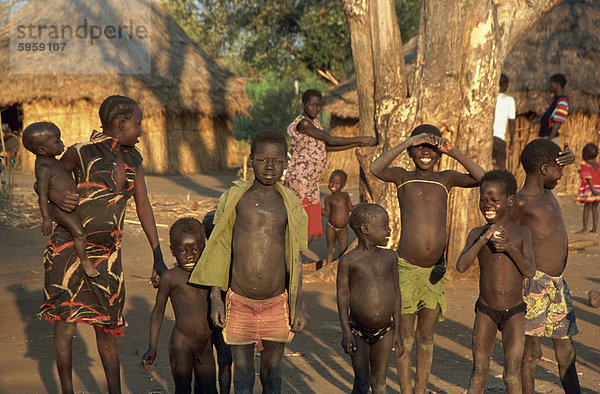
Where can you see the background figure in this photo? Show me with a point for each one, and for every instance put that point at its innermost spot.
(505, 114)
(556, 113)
(308, 149)
(337, 206)
(589, 189)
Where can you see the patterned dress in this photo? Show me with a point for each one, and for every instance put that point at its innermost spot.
(587, 171)
(304, 170)
(69, 294)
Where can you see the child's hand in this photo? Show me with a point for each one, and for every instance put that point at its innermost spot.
(65, 200)
(565, 156)
(348, 344)
(423, 138)
(47, 227)
(489, 233)
(299, 322)
(399, 345)
(443, 144)
(499, 238)
(147, 360)
(217, 313)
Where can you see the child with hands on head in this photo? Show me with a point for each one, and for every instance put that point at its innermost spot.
(589, 189)
(368, 299)
(254, 255)
(505, 256)
(337, 206)
(43, 140)
(423, 199)
(190, 349)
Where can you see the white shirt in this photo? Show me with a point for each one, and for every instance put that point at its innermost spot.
(505, 109)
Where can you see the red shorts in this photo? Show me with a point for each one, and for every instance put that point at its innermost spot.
(313, 211)
(249, 321)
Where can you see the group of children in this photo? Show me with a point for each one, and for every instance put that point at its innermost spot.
(243, 286)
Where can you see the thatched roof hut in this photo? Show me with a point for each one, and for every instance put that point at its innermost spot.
(565, 40)
(187, 98)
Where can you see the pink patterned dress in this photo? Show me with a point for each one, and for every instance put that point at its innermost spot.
(587, 171)
(304, 170)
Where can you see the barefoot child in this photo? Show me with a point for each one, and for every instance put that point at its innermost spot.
(423, 198)
(224, 357)
(549, 307)
(43, 140)
(589, 189)
(190, 350)
(368, 299)
(505, 256)
(254, 254)
(337, 206)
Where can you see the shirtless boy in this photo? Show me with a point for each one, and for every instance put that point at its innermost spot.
(505, 256)
(254, 254)
(368, 299)
(337, 206)
(43, 140)
(190, 350)
(549, 307)
(423, 198)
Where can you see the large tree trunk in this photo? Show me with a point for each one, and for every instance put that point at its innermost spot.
(462, 45)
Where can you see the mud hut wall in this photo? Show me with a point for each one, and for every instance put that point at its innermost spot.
(76, 122)
(579, 129)
(344, 160)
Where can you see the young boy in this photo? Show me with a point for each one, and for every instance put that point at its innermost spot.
(423, 198)
(254, 254)
(190, 350)
(368, 299)
(43, 140)
(224, 357)
(549, 306)
(557, 111)
(337, 206)
(504, 251)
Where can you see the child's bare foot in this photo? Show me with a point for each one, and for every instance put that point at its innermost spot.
(89, 269)
(580, 231)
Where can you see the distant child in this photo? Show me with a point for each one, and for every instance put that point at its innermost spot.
(505, 256)
(589, 189)
(337, 206)
(549, 307)
(254, 255)
(224, 357)
(423, 198)
(190, 350)
(43, 140)
(368, 299)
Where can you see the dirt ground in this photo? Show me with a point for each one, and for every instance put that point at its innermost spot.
(314, 361)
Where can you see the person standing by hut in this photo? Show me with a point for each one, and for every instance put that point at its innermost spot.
(504, 115)
(556, 113)
(309, 146)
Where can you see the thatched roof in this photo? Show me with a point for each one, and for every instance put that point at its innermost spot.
(342, 100)
(183, 78)
(566, 40)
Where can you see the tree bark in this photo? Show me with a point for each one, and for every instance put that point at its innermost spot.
(462, 45)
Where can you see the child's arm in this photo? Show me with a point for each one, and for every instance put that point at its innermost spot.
(158, 313)
(326, 210)
(462, 180)
(350, 206)
(565, 156)
(42, 174)
(299, 321)
(343, 304)
(64, 199)
(398, 342)
(380, 167)
(217, 308)
(475, 241)
(522, 256)
(146, 217)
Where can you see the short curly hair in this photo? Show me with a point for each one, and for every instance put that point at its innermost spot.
(269, 137)
(186, 225)
(311, 93)
(364, 214)
(501, 176)
(590, 151)
(35, 135)
(537, 153)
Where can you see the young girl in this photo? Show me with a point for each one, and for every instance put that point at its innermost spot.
(423, 198)
(108, 171)
(589, 189)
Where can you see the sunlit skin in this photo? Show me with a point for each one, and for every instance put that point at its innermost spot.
(423, 213)
(337, 206)
(504, 251)
(368, 293)
(190, 348)
(536, 207)
(52, 175)
(258, 267)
